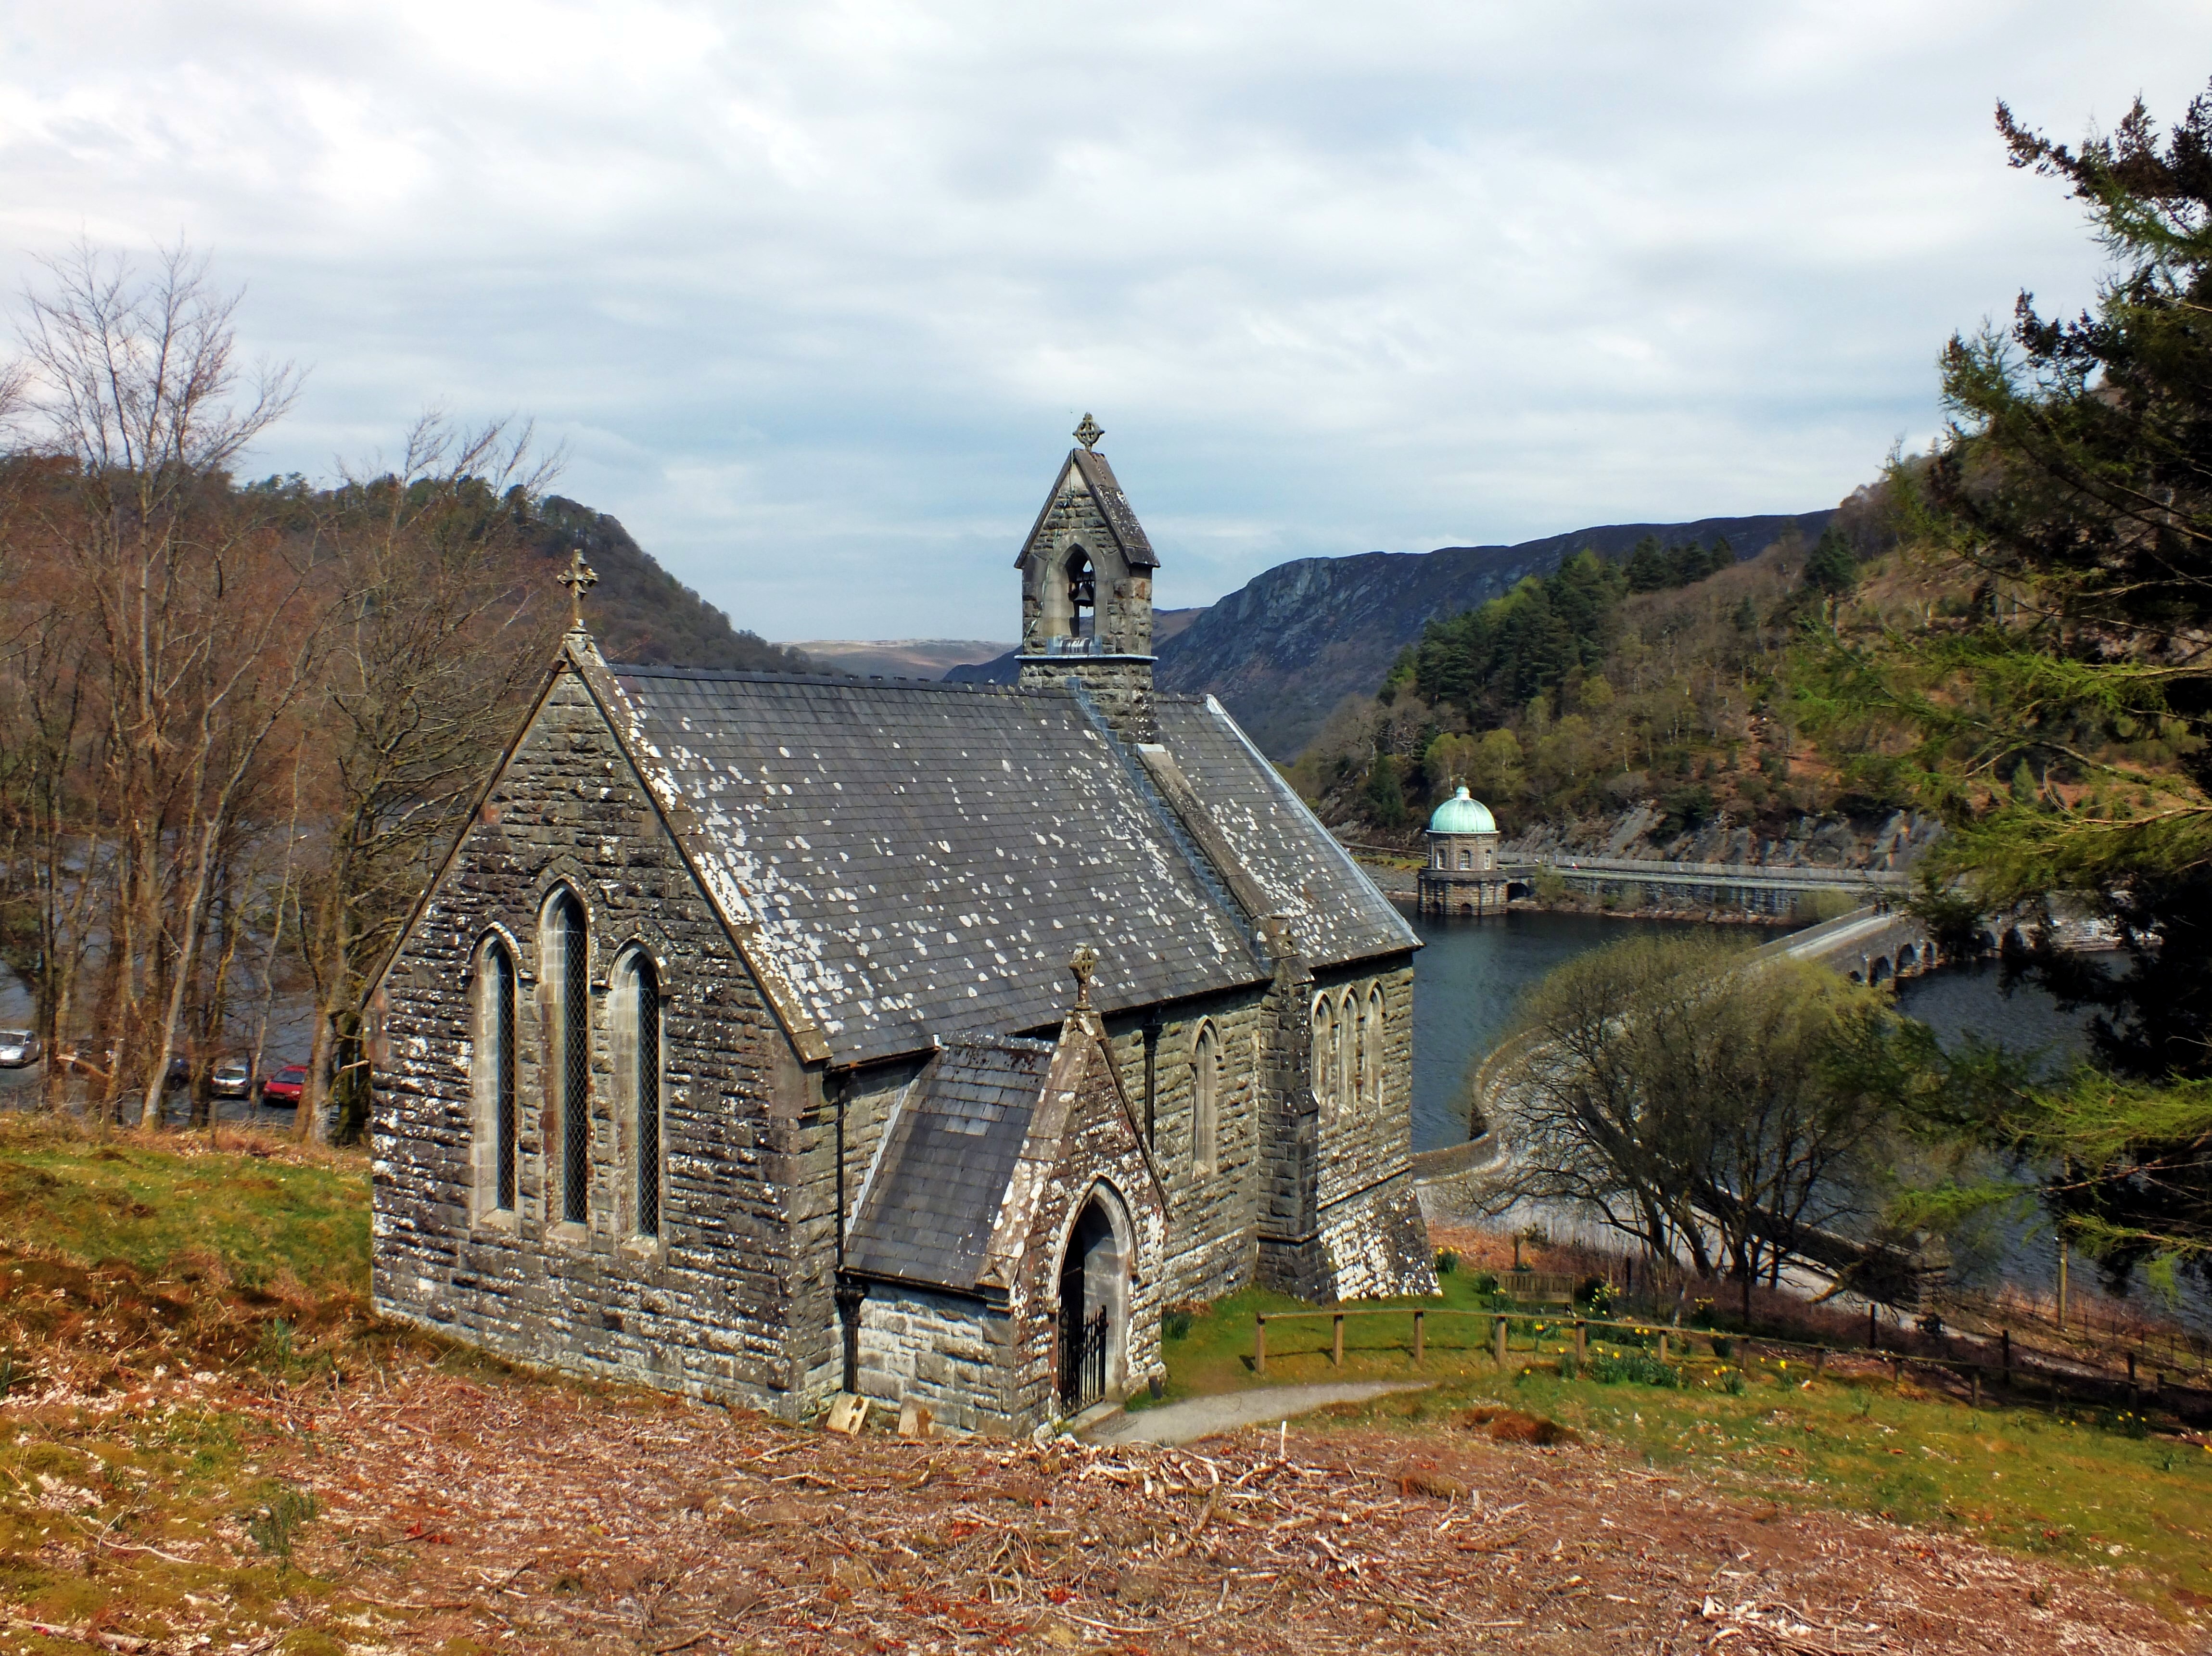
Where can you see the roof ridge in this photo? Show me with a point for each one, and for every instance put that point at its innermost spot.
(993, 1042)
(732, 675)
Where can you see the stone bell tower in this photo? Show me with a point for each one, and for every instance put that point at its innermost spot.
(1087, 593)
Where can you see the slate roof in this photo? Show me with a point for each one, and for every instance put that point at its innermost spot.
(1334, 912)
(922, 858)
(931, 1199)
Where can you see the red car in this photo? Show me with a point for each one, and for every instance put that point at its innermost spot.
(284, 1088)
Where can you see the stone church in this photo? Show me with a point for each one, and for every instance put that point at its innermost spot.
(766, 1036)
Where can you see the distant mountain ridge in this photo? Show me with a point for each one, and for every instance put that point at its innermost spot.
(897, 658)
(1282, 651)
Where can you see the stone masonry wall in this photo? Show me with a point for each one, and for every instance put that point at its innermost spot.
(952, 1354)
(1098, 1146)
(1211, 1245)
(707, 1307)
(1361, 1144)
(1120, 686)
(1341, 1221)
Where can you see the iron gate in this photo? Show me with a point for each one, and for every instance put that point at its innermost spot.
(1082, 1361)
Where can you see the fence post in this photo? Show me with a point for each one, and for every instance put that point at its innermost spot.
(1874, 1329)
(1978, 1385)
(1498, 1339)
(1260, 1347)
(1336, 1355)
(1582, 1340)
(1662, 1345)
(1417, 1337)
(2133, 1395)
(2004, 1339)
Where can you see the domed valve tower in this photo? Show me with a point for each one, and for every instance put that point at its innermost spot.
(1462, 876)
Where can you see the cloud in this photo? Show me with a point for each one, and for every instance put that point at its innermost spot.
(813, 293)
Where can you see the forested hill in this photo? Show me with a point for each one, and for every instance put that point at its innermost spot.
(639, 612)
(1284, 649)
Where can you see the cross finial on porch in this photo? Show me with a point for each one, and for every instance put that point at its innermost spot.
(1083, 963)
(1089, 433)
(578, 578)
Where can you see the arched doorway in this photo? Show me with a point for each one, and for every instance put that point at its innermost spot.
(1094, 1302)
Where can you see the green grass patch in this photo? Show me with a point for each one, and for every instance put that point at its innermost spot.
(165, 1208)
(142, 1278)
(2099, 1488)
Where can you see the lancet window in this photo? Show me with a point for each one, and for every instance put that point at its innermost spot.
(569, 1050)
(639, 1015)
(1206, 1099)
(495, 1071)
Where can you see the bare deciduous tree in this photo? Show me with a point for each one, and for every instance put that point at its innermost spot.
(433, 646)
(1690, 1097)
(237, 724)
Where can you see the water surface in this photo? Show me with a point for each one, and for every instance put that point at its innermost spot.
(1468, 985)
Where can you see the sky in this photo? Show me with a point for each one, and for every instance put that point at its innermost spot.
(810, 295)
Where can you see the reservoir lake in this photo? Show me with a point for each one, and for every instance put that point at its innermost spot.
(1469, 979)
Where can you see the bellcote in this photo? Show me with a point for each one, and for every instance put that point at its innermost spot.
(1087, 593)
(1086, 567)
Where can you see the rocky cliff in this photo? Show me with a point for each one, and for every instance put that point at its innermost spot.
(1890, 841)
(1284, 650)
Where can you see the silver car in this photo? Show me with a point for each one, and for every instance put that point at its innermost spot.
(232, 1079)
(19, 1047)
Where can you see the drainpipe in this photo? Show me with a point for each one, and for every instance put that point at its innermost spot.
(848, 1296)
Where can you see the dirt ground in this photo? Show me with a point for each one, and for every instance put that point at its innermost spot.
(458, 1515)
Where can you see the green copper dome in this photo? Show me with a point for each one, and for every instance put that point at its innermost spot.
(1462, 813)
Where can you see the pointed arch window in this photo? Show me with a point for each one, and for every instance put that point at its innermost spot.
(1371, 1047)
(1324, 1054)
(638, 1019)
(1082, 595)
(1350, 1074)
(1206, 1099)
(569, 957)
(494, 1069)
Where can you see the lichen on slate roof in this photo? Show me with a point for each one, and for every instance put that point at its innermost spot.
(1335, 912)
(923, 858)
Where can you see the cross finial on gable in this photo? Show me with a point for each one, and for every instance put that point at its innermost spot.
(1083, 963)
(578, 578)
(1089, 433)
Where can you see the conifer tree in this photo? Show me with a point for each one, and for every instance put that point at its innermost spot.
(2074, 482)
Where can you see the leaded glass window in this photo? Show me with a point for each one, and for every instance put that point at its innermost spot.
(572, 1054)
(643, 988)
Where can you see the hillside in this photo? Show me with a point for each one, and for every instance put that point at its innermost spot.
(1286, 648)
(639, 612)
(899, 658)
(1573, 702)
(212, 1438)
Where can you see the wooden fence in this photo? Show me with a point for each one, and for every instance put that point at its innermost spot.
(2007, 1368)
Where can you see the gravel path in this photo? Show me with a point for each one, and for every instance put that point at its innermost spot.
(1203, 1417)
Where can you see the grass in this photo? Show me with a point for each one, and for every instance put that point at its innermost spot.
(153, 1292)
(159, 1300)
(175, 1207)
(2104, 1490)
